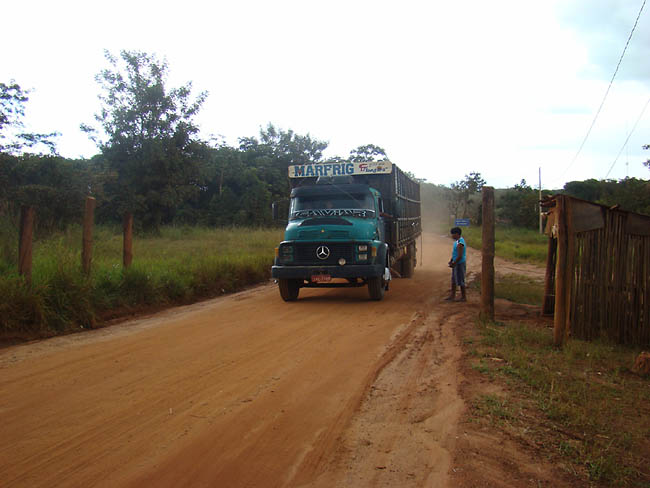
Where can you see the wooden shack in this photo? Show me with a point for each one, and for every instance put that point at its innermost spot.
(598, 271)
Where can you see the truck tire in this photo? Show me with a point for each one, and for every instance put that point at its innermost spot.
(408, 266)
(289, 289)
(376, 288)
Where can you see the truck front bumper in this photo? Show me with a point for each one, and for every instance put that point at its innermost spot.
(347, 271)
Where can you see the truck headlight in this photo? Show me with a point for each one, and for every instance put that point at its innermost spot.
(286, 253)
(363, 257)
(363, 247)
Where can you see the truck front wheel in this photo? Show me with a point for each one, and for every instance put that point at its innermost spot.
(376, 288)
(289, 289)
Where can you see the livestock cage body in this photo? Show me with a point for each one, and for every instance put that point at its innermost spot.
(402, 202)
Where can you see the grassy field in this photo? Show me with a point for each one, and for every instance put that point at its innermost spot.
(581, 406)
(514, 244)
(179, 265)
(514, 287)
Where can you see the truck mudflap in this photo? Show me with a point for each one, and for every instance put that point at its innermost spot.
(347, 271)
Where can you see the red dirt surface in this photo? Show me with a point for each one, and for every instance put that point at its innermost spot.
(247, 390)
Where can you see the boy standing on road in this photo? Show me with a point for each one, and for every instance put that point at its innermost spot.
(457, 265)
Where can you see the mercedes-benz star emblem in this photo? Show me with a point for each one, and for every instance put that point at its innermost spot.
(322, 252)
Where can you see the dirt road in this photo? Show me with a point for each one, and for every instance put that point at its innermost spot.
(245, 390)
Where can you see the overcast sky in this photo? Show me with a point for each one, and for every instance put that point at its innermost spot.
(446, 88)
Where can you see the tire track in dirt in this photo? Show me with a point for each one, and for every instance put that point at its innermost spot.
(403, 433)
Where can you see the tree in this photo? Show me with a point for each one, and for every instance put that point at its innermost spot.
(12, 110)
(462, 192)
(54, 185)
(456, 198)
(282, 148)
(630, 193)
(590, 189)
(292, 147)
(519, 205)
(150, 136)
(369, 152)
(335, 159)
(276, 150)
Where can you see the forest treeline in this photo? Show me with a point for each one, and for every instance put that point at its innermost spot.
(205, 185)
(153, 163)
(236, 186)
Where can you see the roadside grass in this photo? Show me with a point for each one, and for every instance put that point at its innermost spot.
(512, 243)
(514, 287)
(582, 406)
(178, 265)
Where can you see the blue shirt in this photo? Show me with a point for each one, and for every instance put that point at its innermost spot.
(454, 253)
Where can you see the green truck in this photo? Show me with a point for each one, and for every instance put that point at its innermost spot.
(350, 224)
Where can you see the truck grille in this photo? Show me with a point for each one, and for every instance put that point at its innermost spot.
(318, 234)
(306, 253)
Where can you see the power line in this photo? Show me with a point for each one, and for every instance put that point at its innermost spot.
(607, 92)
(628, 137)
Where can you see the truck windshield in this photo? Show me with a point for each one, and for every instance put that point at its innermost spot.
(335, 205)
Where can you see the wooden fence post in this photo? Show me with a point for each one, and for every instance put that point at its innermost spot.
(487, 261)
(127, 254)
(87, 239)
(559, 319)
(549, 278)
(25, 243)
(569, 266)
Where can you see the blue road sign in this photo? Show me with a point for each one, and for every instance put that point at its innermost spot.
(461, 222)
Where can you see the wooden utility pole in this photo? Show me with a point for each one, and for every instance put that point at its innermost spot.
(127, 227)
(87, 239)
(25, 243)
(487, 263)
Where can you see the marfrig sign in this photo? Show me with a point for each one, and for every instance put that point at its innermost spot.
(340, 169)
